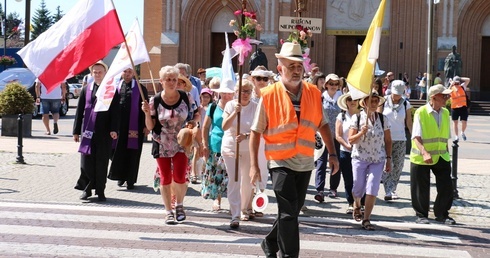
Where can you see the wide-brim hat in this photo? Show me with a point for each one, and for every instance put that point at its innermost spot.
(188, 84)
(373, 95)
(100, 62)
(342, 101)
(226, 86)
(291, 51)
(262, 73)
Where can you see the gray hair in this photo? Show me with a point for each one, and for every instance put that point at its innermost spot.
(168, 70)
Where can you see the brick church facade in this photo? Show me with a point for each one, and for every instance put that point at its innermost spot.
(192, 31)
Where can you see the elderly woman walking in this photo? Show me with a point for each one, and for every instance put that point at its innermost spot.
(370, 137)
(240, 189)
(398, 111)
(165, 115)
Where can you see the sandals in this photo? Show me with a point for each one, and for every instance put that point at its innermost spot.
(179, 211)
(170, 219)
(216, 206)
(357, 214)
(234, 224)
(194, 180)
(366, 224)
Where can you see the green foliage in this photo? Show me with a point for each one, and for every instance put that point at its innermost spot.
(58, 15)
(15, 99)
(41, 21)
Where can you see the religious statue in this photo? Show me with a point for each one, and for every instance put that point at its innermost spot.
(453, 64)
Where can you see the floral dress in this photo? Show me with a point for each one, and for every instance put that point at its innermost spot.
(215, 179)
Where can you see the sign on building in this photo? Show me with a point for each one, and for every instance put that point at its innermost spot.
(287, 23)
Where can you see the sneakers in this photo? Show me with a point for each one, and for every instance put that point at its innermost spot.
(422, 220)
(394, 196)
(462, 136)
(456, 138)
(170, 219)
(319, 197)
(447, 220)
(388, 198)
(333, 194)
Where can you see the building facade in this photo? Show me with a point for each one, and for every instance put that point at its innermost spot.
(192, 31)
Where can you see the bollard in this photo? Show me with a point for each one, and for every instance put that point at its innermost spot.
(20, 135)
(454, 170)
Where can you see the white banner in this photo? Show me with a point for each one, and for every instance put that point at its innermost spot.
(121, 62)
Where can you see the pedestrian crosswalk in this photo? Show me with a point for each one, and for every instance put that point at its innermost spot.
(68, 230)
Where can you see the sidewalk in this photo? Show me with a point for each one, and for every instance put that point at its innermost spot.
(53, 167)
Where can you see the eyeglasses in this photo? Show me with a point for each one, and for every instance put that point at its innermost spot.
(171, 80)
(259, 78)
(349, 99)
(246, 91)
(333, 84)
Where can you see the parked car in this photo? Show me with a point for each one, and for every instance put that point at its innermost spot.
(74, 90)
(28, 79)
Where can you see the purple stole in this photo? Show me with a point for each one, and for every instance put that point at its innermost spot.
(133, 117)
(89, 123)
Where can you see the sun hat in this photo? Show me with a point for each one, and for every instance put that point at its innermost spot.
(100, 62)
(374, 95)
(439, 88)
(342, 101)
(226, 86)
(260, 72)
(207, 90)
(188, 85)
(397, 87)
(291, 51)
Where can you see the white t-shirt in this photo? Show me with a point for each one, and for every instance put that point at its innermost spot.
(54, 94)
(246, 118)
(345, 128)
(396, 114)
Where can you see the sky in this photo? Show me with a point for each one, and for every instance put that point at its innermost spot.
(126, 12)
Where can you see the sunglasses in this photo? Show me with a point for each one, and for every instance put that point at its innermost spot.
(350, 99)
(264, 79)
(333, 84)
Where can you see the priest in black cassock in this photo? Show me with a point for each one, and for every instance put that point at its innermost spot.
(95, 131)
(132, 130)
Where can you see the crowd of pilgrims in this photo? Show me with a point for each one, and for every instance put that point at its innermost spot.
(194, 131)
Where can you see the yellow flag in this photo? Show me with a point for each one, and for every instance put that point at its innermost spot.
(361, 74)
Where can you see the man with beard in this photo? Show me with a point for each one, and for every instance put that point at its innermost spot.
(132, 130)
(288, 116)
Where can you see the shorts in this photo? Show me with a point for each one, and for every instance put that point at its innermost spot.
(50, 105)
(459, 112)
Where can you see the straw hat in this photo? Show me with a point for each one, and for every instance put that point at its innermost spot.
(188, 85)
(100, 62)
(342, 101)
(291, 51)
(374, 95)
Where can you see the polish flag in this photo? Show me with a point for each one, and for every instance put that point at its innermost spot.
(137, 49)
(83, 36)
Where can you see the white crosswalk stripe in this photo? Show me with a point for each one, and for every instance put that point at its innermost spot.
(114, 218)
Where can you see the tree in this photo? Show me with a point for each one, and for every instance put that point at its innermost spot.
(41, 21)
(58, 15)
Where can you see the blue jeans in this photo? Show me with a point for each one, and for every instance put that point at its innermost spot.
(321, 171)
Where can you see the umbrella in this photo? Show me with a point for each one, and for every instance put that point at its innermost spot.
(213, 72)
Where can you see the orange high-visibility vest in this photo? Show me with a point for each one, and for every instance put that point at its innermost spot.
(458, 97)
(284, 136)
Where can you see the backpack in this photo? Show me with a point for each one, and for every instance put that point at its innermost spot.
(212, 109)
(381, 118)
(158, 127)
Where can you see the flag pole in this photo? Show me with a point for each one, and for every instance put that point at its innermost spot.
(240, 77)
(151, 76)
(130, 57)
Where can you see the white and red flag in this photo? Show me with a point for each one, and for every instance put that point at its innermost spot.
(83, 36)
(139, 54)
